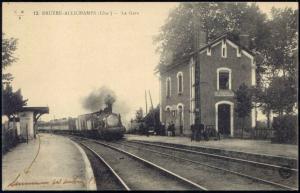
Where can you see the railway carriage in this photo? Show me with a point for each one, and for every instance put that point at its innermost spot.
(103, 124)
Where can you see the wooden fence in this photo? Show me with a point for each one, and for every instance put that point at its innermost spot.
(250, 133)
(9, 138)
(256, 133)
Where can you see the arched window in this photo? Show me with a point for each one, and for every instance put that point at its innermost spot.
(224, 49)
(168, 109)
(180, 82)
(168, 87)
(223, 79)
(173, 113)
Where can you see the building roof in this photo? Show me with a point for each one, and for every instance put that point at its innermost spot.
(226, 35)
(36, 109)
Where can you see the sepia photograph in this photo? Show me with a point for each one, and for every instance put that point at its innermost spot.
(124, 96)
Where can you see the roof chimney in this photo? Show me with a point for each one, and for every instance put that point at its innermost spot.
(202, 38)
(244, 40)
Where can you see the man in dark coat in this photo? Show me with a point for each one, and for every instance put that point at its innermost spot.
(172, 128)
(205, 132)
(197, 133)
(193, 132)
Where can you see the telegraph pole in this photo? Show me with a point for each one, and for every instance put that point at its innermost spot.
(197, 27)
(150, 99)
(146, 101)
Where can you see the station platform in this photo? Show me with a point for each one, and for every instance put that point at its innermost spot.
(257, 150)
(49, 162)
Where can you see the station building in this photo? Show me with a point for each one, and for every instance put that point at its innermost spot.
(224, 65)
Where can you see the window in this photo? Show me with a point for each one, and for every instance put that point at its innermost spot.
(208, 51)
(180, 82)
(174, 113)
(223, 79)
(180, 112)
(224, 49)
(168, 111)
(168, 87)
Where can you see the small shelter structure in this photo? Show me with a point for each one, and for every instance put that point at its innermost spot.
(28, 119)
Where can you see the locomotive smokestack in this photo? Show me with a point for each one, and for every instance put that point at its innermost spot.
(109, 100)
(109, 108)
(103, 97)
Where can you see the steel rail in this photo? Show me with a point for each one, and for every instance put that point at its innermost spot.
(192, 161)
(219, 156)
(218, 168)
(121, 181)
(189, 182)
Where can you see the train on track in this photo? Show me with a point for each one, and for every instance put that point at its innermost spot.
(102, 124)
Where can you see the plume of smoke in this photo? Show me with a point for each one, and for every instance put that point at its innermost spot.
(101, 97)
(97, 99)
(109, 100)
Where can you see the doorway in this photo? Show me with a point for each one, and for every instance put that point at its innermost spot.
(180, 112)
(224, 119)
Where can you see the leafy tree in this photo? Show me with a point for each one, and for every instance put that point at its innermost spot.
(176, 38)
(282, 95)
(12, 102)
(279, 97)
(273, 41)
(278, 93)
(9, 46)
(6, 78)
(284, 38)
(263, 101)
(243, 97)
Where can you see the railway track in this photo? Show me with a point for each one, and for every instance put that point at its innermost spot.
(105, 176)
(170, 160)
(224, 157)
(255, 171)
(133, 172)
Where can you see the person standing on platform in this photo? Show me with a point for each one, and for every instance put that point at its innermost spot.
(168, 129)
(197, 133)
(163, 130)
(193, 132)
(172, 128)
(202, 131)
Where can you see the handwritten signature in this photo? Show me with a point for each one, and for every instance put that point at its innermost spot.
(56, 181)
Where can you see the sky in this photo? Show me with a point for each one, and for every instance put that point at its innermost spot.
(63, 58)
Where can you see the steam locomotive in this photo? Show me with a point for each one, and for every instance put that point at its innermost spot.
(102, 124)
